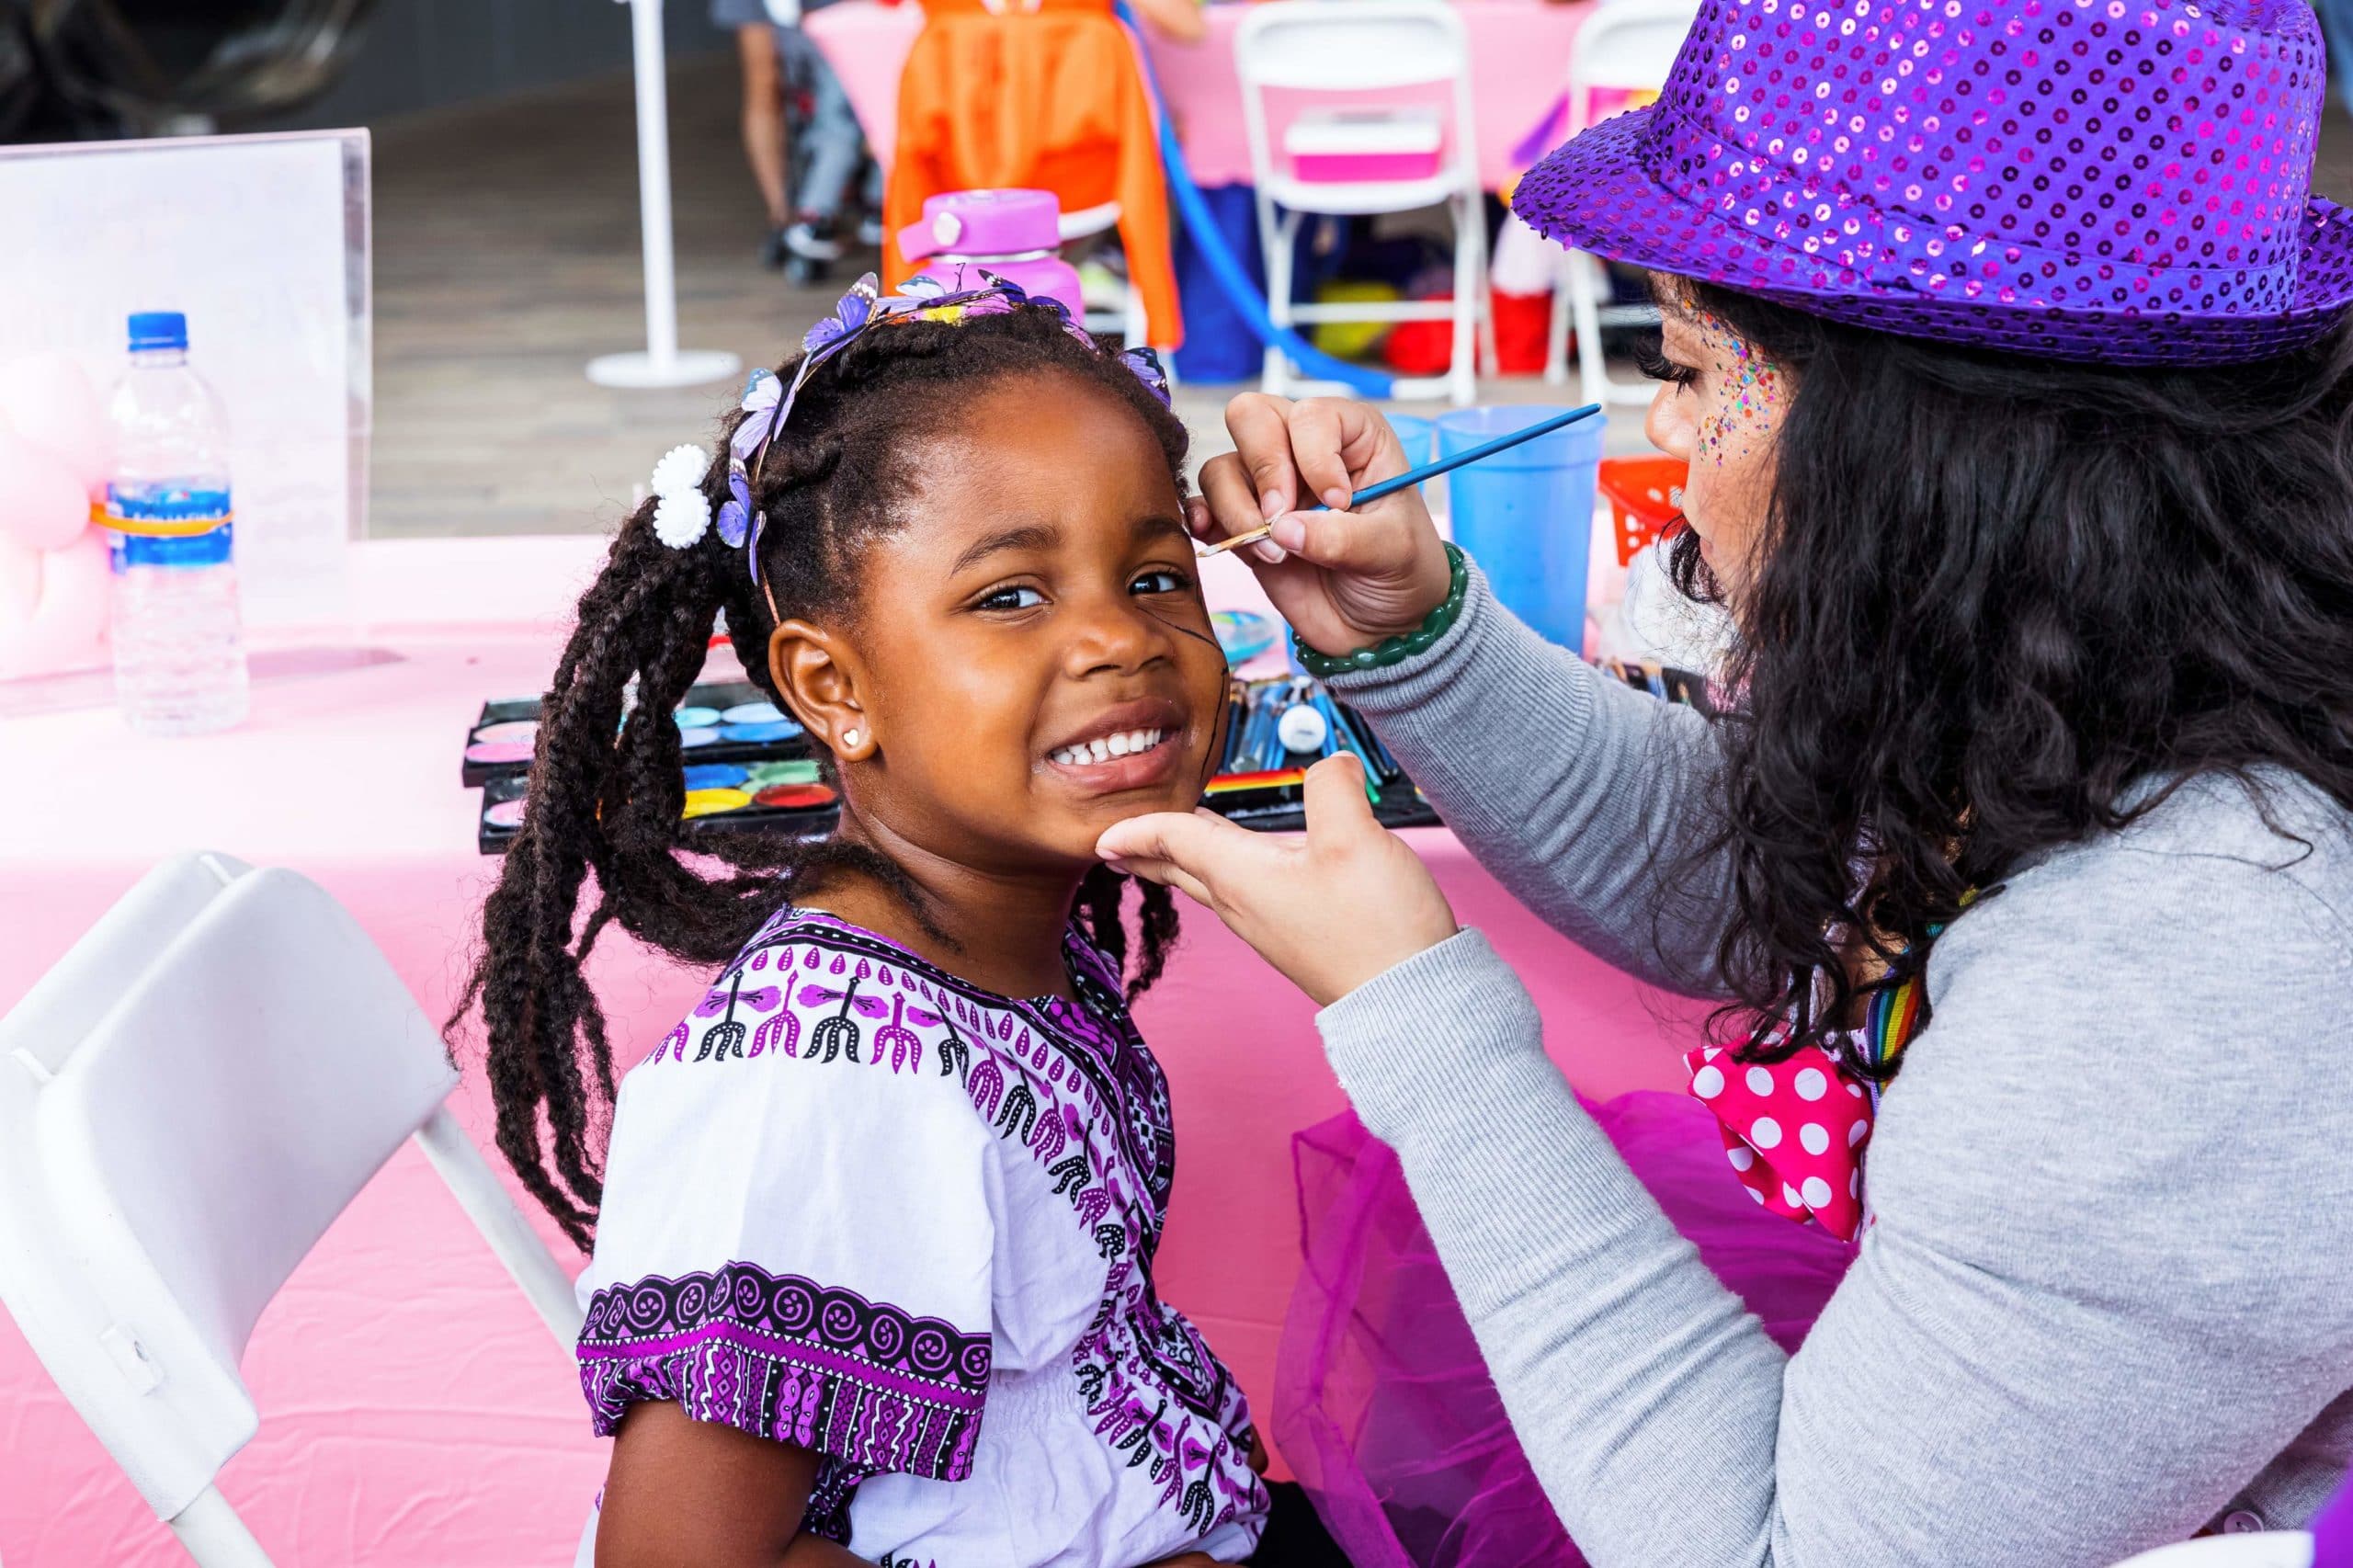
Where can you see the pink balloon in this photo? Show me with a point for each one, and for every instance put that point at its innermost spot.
(52, 405)
(19, 581)
(41, 502)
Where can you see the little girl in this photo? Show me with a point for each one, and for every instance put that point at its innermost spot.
(874, 1233)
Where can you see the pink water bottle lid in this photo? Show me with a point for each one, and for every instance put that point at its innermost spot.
(985, 223)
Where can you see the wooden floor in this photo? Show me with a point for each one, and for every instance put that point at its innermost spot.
(506, 258)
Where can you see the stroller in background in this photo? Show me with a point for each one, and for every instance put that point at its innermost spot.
(820, 130)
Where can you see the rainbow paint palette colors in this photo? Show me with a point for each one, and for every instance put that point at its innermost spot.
(747, 767)
(1275, 730)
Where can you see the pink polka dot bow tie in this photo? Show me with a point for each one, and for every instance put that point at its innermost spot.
(1794, 1130)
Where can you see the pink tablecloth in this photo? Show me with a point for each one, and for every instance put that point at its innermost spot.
(1520, 52)
(413, 1410)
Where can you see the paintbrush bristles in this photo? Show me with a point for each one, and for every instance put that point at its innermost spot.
(1236, 542)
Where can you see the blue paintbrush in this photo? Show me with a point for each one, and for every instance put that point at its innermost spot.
(1373, 493)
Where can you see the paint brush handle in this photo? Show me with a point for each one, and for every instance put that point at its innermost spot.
(1413, 476)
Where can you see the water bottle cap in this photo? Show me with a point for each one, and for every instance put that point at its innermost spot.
(158, 329)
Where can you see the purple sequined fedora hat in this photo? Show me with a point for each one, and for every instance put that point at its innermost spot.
(2124, 181)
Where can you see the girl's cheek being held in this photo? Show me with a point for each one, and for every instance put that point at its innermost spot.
(1034, 661)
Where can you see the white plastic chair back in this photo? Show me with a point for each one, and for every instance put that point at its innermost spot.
(1627, 46)
(1348, 48)
(1350, 51)
(187, 1102)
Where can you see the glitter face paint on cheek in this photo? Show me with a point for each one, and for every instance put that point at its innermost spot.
(1747, 400)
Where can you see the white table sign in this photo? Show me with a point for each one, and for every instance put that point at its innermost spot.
(263, 242)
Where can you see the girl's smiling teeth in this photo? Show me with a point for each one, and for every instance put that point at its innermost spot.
(1103, 748)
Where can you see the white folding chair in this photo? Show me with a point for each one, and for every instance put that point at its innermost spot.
(1626, 46)
(2266, 1548)
(1350, 48)
(187, 1101)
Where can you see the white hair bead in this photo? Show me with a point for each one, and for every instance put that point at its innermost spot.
(680, 517)
(681, 469)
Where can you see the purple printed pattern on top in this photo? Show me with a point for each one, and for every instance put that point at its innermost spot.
(788, 1359)
(1072, 1079)
(1072, 1082)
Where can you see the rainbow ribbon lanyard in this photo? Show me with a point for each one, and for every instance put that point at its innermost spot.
(1896, 1014)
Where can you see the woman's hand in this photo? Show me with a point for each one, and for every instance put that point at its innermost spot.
(1344, 580)
(1331, 909)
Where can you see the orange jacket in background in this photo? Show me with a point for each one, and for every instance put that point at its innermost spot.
(1051, 99)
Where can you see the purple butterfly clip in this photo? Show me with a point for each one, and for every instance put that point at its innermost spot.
(769, 403)
(1145, 363)
(850, 315)
(735, 516)
(736, 512)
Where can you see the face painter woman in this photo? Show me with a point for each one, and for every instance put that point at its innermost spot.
(2008, 350)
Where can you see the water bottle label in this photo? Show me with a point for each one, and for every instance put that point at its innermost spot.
(162, 511)
(212, 548)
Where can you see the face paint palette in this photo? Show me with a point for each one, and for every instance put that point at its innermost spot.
(1243, 634)
(747, 766)
(1275, 730)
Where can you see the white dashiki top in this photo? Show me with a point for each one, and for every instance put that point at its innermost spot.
(857, 1204)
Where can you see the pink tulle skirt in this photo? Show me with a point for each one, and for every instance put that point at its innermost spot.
(1382, 1406)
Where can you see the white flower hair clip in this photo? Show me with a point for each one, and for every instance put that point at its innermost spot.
(681, 511)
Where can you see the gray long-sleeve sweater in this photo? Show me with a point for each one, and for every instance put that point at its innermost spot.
(2107, 1297)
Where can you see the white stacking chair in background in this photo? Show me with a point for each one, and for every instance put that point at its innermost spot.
(187, 1102)
(1352, 48)
(1627, 46)
(1128, 320)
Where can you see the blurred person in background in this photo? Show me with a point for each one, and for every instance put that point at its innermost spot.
(774, 52)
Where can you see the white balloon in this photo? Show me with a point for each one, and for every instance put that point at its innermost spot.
(50, 400)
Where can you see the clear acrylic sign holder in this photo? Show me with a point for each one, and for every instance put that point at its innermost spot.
(263, 242)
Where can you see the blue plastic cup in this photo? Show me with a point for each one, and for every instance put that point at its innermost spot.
(1419, 437)
(1526, 514)
(1414, 434)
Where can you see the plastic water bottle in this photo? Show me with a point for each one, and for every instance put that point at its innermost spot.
(179, 655)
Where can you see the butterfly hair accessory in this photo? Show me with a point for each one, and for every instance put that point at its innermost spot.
(767, 401)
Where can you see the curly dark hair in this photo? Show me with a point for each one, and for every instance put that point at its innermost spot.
(2003, 603)
(607, 781)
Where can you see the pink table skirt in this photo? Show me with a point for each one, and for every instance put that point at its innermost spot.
(1519, 51)
(413, 1409)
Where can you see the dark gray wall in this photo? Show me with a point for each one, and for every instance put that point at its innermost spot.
(420, 53)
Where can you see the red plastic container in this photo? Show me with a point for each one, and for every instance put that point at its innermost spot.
(1645, 495)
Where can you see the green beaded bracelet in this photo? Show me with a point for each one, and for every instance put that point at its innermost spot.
(1395, 649)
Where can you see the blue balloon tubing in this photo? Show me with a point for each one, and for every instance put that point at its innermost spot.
(1225, 266)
